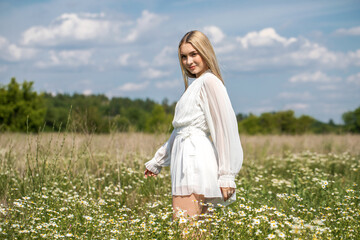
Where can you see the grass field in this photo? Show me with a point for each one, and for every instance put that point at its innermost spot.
(76, 186)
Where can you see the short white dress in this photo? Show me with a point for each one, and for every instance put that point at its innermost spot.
(204, 150)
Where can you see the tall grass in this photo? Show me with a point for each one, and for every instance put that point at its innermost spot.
(55, 185)
(119, 146)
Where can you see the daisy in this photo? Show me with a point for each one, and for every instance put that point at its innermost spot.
(182, 220)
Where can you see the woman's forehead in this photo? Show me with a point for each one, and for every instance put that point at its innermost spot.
(186, 48)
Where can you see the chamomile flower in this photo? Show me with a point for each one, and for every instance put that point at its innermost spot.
(256, 221)
(182, 220)
(271, 236)
(88, 218)
(281, 235)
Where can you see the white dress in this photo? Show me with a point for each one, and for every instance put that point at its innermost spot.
(200, 164)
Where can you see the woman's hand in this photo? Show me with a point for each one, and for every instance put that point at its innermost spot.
(227, 192)
(148, 173)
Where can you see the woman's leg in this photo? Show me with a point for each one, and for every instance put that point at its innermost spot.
(191, 204)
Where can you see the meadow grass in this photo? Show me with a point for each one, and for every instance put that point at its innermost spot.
(83, 186)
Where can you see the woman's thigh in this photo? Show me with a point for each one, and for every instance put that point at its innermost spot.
(191, 205)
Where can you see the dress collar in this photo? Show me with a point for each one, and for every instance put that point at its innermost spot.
(191, 80)
(207, 71)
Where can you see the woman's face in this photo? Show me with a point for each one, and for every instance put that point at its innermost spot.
(192, 60)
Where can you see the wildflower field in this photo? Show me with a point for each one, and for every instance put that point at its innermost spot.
(74, 186)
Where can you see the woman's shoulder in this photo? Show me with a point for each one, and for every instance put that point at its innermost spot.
(211, 80)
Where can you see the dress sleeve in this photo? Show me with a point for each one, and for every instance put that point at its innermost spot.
(223, 126)
(162, 156)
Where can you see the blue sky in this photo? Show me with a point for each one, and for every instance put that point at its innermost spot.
(274, 55)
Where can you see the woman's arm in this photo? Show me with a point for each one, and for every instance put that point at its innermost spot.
(161, 158)
(223, 126)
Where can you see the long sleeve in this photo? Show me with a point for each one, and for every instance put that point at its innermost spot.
(222, 123)
(162, 156)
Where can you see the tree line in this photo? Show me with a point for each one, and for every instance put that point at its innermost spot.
(24, 110)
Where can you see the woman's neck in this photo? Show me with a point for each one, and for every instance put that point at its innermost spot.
(201, 73)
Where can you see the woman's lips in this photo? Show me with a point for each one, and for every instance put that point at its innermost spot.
(192, 67)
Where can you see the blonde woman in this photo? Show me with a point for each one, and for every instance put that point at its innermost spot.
(204, 150)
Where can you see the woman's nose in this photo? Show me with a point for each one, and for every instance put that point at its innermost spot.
(189, 60)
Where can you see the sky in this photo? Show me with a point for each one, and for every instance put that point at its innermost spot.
(273, 55)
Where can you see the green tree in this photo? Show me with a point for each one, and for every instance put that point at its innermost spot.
(250, 125)
(240, 117)
(137, 117)
(352, 121)
(159, 120)
(58, 110)
(21, 108)
(268, 123)
(286, 121)
(304, 123)
(88, 120)
(120, 123)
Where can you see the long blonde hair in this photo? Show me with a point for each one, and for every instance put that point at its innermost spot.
(202, 44)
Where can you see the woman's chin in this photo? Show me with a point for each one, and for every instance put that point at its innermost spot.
(193, 71)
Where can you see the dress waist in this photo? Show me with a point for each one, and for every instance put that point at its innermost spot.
(188, 131)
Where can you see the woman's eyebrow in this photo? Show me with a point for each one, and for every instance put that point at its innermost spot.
(183, 54)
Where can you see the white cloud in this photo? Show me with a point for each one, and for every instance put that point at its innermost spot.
(168, 84)
(96, 28)
(225, 48)
(72, 58)
(131, 60)
(3, 68)
(167, 56)
(302, 53)
(280, 52)
(70, 27)
(354, 57)
(128, 87)
(145, 23)
(328, 87)
(351, 31)
(313, 77)
(334, 95)
(154, 73)
(293, 95)
(87, 92)
(354, 79)
(260, 110)
(214, 33)
(11, 52)
(296, 106)
(310, 52)
(123, 60)
(265, 37)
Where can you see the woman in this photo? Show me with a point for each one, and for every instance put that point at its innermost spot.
(204, 149)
